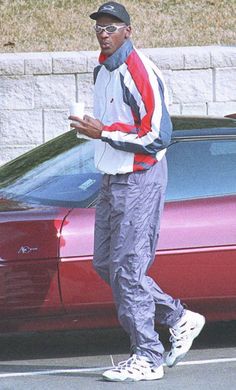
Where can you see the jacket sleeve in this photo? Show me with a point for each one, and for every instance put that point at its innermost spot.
(144, 91)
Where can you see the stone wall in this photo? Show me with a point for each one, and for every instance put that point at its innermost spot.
(37, 88)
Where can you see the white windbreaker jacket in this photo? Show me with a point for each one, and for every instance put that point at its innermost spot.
(130, 99)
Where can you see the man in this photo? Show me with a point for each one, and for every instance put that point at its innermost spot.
(133, 129)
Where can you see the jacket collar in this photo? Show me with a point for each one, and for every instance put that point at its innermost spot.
(118, 58)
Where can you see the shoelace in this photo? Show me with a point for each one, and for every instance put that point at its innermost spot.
(133, 361)
(177, 336)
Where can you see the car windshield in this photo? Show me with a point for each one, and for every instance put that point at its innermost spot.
(60, 172)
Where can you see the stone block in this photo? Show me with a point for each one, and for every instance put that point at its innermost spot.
(194, 109)
(38, 63)
(21, 127)
(167, 75)
(175, 109)
(85, 88)
(225, 84)
(166, 58)
(72, 62)
(221, 108)
(16, 92)
(55, 123)
(192, 86)
(54, 91)
(92, 59)
(223, 56)
(11, 64)
(197, 58)
(8, 153)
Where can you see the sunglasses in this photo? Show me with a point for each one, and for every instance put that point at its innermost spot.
(110, 29)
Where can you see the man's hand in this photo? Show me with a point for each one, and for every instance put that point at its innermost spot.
(87, 126)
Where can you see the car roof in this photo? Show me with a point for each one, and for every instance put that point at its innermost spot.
(197, 127)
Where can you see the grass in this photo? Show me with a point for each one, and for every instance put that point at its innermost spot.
(64, 25)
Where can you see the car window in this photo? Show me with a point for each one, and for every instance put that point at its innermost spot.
(60, 173)
(201, 169)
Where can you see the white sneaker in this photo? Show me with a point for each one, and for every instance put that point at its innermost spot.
(182, 336)
(136, 368)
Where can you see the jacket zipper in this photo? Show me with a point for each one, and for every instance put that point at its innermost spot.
(105, 144)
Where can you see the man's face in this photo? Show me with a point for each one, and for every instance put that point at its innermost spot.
(109, 43)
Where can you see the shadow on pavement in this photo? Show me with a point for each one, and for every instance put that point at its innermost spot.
(100, 342)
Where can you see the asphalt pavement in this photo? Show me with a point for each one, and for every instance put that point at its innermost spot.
(75, 360)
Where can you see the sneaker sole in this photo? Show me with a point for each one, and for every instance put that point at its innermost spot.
(196, 333)
(130, 379)
(150, 378)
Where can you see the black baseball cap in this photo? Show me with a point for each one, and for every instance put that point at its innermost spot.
(114, 9)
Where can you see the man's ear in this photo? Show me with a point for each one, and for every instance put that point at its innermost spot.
(128, 31)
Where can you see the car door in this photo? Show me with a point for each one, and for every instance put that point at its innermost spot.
(196, 258)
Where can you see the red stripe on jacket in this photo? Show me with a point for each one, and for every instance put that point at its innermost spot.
(117, 126)
(142, 159)
(140, 77)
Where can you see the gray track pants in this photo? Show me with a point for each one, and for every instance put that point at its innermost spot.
(127, 227)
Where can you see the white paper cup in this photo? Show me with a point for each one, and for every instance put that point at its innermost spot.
(77, 109)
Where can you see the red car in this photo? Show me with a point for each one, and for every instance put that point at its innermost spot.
(47, 200)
